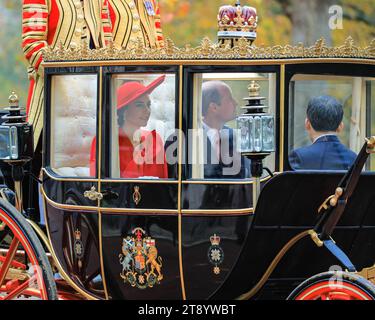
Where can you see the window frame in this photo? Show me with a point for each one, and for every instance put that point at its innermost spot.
(188, 106)
(108, 73)
(321, 69)
(47, 129)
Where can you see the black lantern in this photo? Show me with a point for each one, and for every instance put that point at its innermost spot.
(256, 134)
(16, 144)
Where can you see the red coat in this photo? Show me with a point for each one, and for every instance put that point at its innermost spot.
(49, 22)
(147, 161)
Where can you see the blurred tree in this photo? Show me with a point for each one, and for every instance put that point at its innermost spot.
(310, 19)
(13, 74)
(280, 21)
(188, 21)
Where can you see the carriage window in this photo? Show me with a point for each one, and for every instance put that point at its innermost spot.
(370, 100)
(218, 99)
(329, 118)
(73, 124)
(143, 126)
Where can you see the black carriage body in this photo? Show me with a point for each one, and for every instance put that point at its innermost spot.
(184, 217)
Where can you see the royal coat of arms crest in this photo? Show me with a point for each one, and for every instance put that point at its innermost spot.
(141, 265)
(215, 254)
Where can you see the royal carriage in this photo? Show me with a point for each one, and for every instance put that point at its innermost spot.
(282, 233)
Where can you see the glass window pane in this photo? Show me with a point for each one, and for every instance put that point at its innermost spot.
(143, 126)
(322, 140)
(219, 98)
(73, 123)
(371, 106)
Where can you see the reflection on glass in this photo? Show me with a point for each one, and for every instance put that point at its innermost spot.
(4, 143)
(245, 142)
(218, 100)
(257, 134)
(268, 133)
(349, 91)
(73, 123)
(252, 134)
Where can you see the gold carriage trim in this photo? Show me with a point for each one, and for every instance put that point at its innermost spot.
(210, 51)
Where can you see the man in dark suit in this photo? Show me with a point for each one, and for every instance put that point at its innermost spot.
(323, 124)
(221, 158)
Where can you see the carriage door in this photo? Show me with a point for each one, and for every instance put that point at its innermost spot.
(139, 216)
(217, 207)
(71, 218)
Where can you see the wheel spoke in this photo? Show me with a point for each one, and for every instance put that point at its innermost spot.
(17, 291)
(14, 263)
(8, 260)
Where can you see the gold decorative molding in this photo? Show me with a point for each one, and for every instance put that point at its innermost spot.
(209, 50)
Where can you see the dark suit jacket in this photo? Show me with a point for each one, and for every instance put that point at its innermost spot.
(225, 168)
(327, 153)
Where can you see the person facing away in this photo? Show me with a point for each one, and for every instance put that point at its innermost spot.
(141, 152)
(218, 108)
(323, 125)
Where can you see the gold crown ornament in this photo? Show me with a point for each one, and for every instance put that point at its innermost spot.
(215, 240)
(237, 22)
(13, 100)
(254, 89)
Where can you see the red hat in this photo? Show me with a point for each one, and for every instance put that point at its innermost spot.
(131, 91)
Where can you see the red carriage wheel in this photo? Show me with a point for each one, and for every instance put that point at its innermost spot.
(334, 286)
(25, 272)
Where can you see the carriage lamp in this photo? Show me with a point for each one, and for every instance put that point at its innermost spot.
(16, 144)
(16, 138)
(256, 134)
(237, 22)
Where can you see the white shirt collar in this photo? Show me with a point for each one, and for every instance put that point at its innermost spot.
(324, 135)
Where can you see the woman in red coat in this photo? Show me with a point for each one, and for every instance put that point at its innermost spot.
(141, 152)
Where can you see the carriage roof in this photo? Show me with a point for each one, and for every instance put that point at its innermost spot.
(211, 52)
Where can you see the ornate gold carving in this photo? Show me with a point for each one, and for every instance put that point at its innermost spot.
(332, 200)
(137, 195)
(371, 145)
(254, 89)
(93, 195)
(13, 100)
(209, 50)
(314, 236)
(368, 273)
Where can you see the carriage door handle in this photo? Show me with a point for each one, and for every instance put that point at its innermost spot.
(93, 195)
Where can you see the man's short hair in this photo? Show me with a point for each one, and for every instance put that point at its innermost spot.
(210, 94)
(325, 113)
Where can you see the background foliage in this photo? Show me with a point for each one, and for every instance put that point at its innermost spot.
(188, 21)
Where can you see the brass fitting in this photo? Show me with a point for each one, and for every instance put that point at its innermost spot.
(370, 144)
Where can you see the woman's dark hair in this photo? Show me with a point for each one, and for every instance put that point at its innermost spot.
(325, 113)
(121, 117)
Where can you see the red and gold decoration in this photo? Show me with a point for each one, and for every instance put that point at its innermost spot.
(141, 265)
(215, 254)
(142, 21)
(49, 24)
(236, 22)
